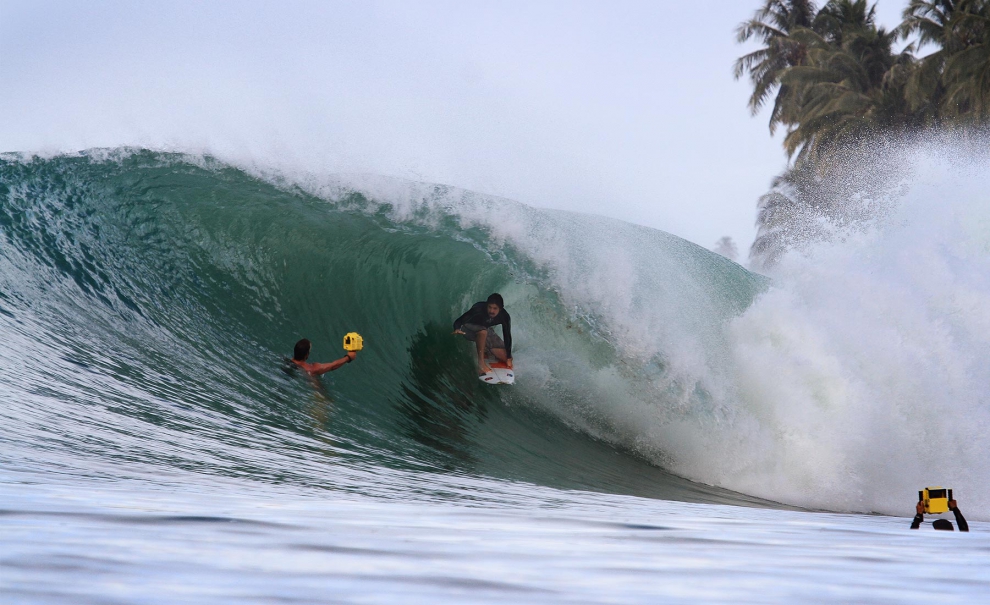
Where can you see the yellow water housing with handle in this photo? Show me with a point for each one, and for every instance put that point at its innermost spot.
(353, 342)
(936, 499)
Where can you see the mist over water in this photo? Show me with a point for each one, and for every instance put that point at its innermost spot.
(575, 107)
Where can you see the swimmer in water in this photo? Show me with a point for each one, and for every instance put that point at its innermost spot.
(301, 354)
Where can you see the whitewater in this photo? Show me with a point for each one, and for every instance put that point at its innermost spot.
(682, 429)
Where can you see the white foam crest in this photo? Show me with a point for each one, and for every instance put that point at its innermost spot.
(864, 374)
(632, 276)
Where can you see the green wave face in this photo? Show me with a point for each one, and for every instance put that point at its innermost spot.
(147, 303)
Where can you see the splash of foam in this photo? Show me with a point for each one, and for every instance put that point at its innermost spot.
(863, 375)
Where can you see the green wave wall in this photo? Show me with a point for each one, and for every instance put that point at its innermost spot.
(147, 302)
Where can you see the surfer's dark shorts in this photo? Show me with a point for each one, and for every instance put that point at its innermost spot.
(494, 341)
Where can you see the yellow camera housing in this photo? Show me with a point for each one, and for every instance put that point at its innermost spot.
(936, 499)
(353, 342)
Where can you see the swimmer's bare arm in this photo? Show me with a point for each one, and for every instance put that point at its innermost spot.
(322, 368)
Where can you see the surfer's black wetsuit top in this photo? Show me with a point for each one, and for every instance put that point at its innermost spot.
(960, 520)
(478, 315)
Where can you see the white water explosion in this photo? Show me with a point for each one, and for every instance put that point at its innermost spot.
(863, 375)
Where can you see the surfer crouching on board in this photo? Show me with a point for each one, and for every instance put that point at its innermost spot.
(477, 325)
(301, 354)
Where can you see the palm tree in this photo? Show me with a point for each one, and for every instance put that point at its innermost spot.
(966, 75)
(838, 19)
(851, 85)
(818, 201)
(772, 25)
(944, 23)
(953, 82)
(785, 215)
(844, 95)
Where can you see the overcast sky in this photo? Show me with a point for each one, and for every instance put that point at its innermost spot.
(626, 109)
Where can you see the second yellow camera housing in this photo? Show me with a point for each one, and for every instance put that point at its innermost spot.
(936, 499)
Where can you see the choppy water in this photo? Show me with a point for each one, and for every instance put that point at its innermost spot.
(480, 541)
(671, 408)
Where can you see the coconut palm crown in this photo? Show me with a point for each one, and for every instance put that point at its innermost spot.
(840, 87)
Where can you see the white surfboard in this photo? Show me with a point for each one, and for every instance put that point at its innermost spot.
(500, 374)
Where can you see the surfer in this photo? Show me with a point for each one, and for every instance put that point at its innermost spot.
(940, 523)
(301, 354)
(477, 325)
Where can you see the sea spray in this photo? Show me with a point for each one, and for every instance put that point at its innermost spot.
(863, 371)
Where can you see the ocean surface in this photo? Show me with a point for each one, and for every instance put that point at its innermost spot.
(681, 430)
